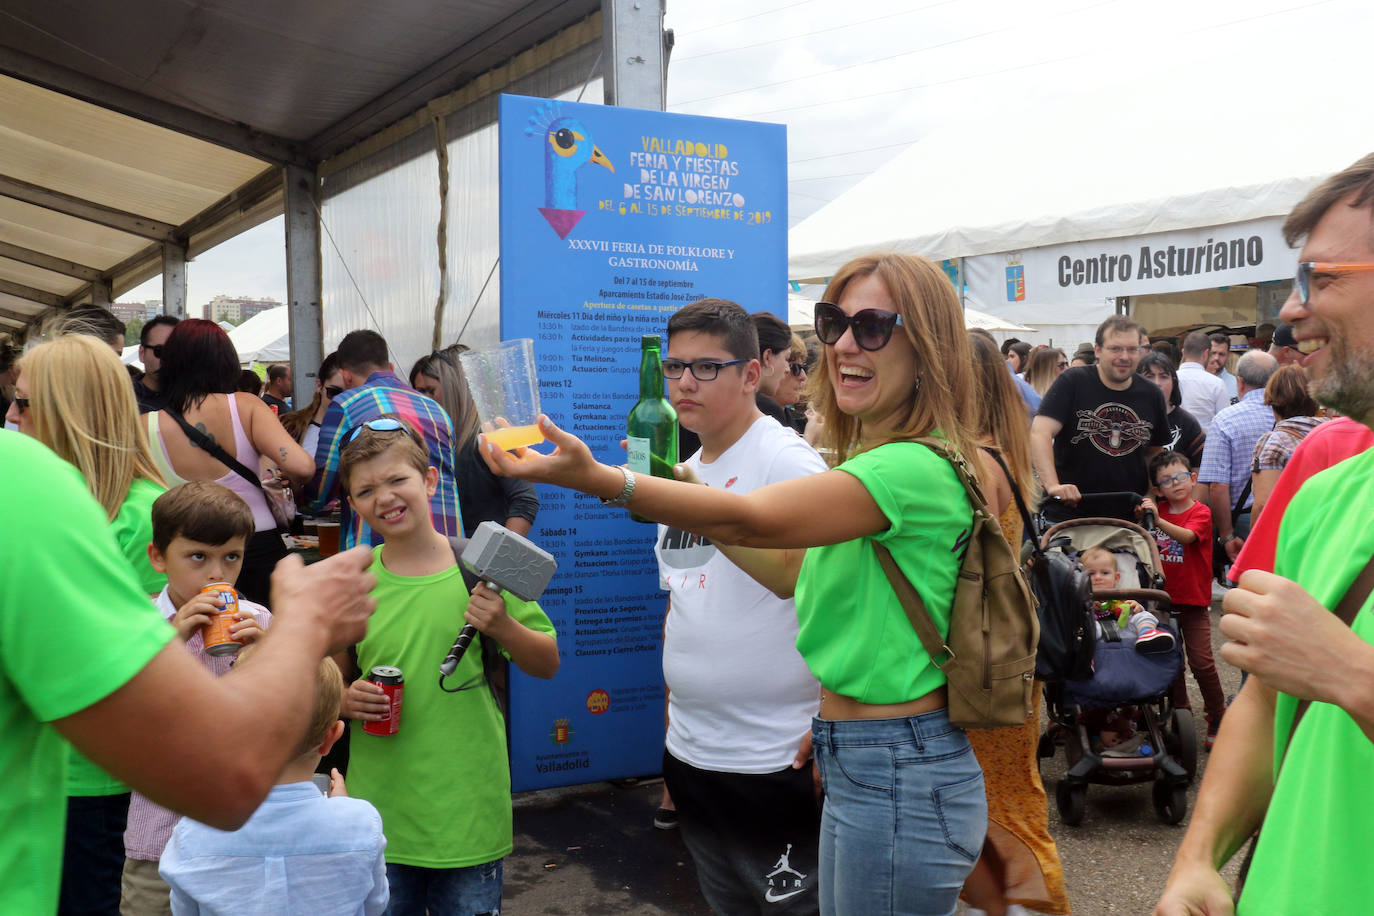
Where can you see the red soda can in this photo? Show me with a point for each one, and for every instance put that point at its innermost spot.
(393, 686)
(218, 640)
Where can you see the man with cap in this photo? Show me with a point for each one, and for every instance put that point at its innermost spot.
(1284, 347)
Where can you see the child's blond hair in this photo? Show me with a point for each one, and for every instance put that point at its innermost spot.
(328, 700)
(366, 443)
(1082, 557)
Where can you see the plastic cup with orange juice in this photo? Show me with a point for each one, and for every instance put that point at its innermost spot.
(505, 388)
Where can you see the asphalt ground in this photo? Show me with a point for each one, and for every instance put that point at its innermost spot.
(594, 850)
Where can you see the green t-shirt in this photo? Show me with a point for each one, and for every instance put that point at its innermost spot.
(1311, 856)
(441, 783)
(74, 627)
(133, 530)
(853, 632)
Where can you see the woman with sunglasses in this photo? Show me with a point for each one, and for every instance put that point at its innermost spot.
(1043, 367)
(482, 496)
(74, 396)
(905, 812)
(304, 424)
(199, 368)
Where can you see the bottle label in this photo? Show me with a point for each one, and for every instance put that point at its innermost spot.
(638, 450)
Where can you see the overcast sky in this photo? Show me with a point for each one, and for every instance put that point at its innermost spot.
(857, 81)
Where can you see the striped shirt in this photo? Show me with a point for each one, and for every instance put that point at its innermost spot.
(385, 393)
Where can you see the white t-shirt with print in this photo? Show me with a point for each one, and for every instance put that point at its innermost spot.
(740, 696)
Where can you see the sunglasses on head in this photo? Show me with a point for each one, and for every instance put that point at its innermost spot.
(872, 327)
(379, 425)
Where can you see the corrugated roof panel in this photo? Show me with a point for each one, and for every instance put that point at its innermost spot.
(95, 154)
(38, 278)
(64, 236)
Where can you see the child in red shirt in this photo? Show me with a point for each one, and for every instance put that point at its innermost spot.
(1183, 530)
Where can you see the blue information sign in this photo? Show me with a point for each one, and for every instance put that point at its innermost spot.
(611, 220)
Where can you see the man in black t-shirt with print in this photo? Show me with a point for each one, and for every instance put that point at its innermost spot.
(1098, 427)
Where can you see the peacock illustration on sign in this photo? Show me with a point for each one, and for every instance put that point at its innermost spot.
(568, 146)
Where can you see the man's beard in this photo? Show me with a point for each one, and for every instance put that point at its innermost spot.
(1348, 386)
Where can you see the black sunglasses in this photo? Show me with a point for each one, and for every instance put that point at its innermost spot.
(797, 369)
(156, 349)
(872, 327)
(332, 391)
(21, 403)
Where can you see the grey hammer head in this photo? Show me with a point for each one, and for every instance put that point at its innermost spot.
(510, 562)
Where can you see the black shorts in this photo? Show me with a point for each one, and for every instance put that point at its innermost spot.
(753, 837)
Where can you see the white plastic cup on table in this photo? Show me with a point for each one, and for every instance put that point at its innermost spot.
(505, 388)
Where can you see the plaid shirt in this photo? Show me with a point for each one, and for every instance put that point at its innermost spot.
(384, 393)
(1231, 442)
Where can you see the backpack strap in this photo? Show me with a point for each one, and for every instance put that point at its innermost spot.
(961, 469)
(1021, 506)
(916, 610)
(207, 444)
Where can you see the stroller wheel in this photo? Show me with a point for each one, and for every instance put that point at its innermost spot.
(1183, 741)
(1072, 800)
(1171, 800)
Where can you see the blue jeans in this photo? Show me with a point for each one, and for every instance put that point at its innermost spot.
(905, 815)
(472, 891)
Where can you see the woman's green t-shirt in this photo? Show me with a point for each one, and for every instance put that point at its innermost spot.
(854, 634)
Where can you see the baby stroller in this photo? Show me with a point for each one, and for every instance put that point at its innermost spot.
(1120, 678)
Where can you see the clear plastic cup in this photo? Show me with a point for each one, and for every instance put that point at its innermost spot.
(505, 388)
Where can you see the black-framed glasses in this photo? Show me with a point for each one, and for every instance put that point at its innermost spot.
(703, 370)
(155, 349)
(379, 425)
(22, 404)
(332, 391)
(1307, 268)
(872, 327)
(797, 369)
(1062, 364)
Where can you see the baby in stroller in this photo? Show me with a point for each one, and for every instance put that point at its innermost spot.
(1127, 615)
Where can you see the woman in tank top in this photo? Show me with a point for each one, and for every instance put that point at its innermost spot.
(199, 369)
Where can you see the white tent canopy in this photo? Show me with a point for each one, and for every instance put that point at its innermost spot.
(263, 338)
(1122, 164)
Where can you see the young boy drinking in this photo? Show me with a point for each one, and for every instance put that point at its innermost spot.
(1184, 532)
(442, 781)
(300, 853)
(200, 530)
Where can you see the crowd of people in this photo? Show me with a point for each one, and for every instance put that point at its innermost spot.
(813, 765)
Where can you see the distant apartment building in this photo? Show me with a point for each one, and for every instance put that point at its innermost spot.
(237, 309)
(137, 311)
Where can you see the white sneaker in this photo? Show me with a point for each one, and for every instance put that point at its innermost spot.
(1013, 909)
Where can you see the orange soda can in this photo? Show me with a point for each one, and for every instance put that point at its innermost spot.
(218, 640)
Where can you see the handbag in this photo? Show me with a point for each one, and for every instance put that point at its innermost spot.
(1220, 561)
(1346, 610)
(279, 500)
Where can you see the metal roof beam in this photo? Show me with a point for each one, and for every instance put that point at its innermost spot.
(42, 297)
(228, 134)
(87, 210)
(243, 198)
(48, 262)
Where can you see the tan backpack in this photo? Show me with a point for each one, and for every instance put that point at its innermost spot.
(989, 656)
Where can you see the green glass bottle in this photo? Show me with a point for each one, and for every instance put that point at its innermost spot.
(652, 424)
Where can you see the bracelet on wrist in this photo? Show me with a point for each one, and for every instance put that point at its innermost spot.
(629, 490)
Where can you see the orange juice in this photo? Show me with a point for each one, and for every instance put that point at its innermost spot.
(513, 437)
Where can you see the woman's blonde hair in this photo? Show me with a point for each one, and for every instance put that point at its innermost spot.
(1002, 418)
(944, 391)
(84, 409)
(1043, 368)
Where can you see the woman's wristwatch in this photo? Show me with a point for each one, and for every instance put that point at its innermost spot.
(625, 494)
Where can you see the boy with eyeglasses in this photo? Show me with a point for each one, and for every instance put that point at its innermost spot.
(442, 781)
(740, 697)
(1183, 530)
(1097, 427)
